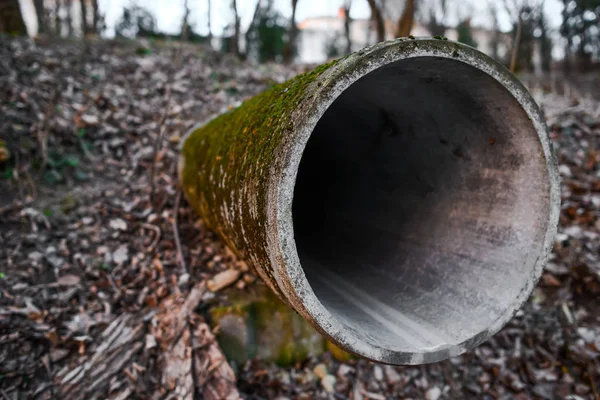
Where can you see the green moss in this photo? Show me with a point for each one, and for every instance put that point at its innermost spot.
(257, 324)
(226, 163)
(68, 204)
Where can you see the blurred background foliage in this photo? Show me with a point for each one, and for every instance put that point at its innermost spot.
(526, 35)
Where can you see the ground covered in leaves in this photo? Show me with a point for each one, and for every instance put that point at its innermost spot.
(106, 275)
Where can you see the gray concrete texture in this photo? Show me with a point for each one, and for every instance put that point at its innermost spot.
(414, 204)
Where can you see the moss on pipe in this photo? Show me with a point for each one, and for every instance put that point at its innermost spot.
(226, 163)
(238, 172)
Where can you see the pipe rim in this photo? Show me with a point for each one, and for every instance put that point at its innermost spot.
(288, 271)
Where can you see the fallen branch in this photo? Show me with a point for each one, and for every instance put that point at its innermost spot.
(180, 256)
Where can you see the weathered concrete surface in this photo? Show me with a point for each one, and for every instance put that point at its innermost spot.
(403, 199)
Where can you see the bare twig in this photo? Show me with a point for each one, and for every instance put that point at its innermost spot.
(176, 231)
(42, 132)
(157, 235)
(158, 144)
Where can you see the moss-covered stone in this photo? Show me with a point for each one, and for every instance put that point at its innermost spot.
(256, 324)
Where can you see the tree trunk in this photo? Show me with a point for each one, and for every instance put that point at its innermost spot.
(185, 27)
(11, 19)
(95, 17)
(57, 20)
(84, 23)
(516, 44)
(405, 22)
(290, 48)
(235, 46)
(209, 26)
(347, 22)
(40, 13)
(377, 17)
(69, 7)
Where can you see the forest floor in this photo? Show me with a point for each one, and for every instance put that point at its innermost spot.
(104, 267)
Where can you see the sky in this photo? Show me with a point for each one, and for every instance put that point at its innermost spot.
(170, 12)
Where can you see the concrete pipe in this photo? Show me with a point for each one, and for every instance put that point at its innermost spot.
(403, 199)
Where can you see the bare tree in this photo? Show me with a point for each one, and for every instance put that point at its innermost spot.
(95, 16)
(208, 21)
(40, 13)
(11, 19)
(495, 42)
(290, 48)
(405, 22)
(185, 26)
(235, 46)
(434, 15)
(524, 17)
(84, 22)
(377, 18)
(69, 7)
(515, 11)
(57, 19)
(347, 21)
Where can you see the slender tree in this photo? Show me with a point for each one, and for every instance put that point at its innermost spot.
(516, 42)
(185, 25)
(11, 19)
(495, 42)
(84, 22)
(95, 17)
(69, 18)
(545, 41)
(57, 19)
(235, 47)
(434, 16)
(347, 22)
(40, 13)
(465, 33)
(209, 21)
(405, 22)
(524, 16)
(377, 18)
(290, 47)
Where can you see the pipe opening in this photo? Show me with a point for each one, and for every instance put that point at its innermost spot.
(421, 205)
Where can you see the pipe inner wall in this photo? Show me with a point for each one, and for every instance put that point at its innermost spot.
(421, 204)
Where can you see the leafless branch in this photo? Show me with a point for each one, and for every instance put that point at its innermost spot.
(176, 231)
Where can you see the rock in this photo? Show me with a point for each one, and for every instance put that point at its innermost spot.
(255, 323)
(433, 394)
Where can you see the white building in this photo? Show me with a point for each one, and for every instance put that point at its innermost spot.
(318, 36)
